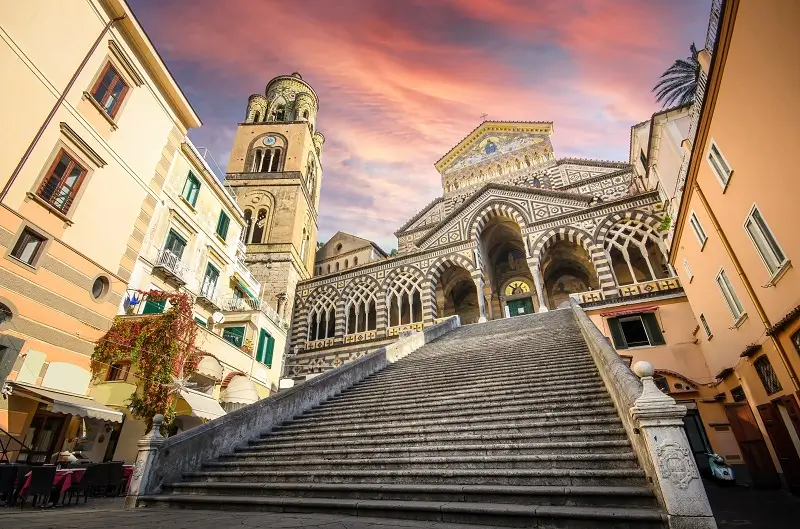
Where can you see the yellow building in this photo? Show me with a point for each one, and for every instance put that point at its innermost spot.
(735, 235)
(194, 245)
(96, 126)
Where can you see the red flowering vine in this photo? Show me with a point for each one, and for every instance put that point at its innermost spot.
(160, 348)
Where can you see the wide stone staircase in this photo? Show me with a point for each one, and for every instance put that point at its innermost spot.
(502, 423)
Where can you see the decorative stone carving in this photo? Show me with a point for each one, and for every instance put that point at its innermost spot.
(676, 463)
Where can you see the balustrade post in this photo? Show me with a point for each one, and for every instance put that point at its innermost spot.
(149, 445)
(660, 423)
(481, 299)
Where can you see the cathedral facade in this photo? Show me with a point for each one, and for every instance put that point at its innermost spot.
(516, 230)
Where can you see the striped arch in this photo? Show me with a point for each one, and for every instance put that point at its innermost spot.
(496, 209)
(583, 239)
(630, 214)
(364, 281)
(436, 270)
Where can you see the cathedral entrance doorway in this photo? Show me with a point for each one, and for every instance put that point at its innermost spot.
(518, 307)
(456, 294)
(567, 268)
(504, 264)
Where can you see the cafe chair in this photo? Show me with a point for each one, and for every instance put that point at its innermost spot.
(41, 485)
(8, 481)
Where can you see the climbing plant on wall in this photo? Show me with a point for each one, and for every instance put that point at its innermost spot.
(160, 349)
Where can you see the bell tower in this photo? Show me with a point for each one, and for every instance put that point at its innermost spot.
(275, 170)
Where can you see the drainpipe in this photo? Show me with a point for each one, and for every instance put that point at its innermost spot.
(55, 108)
(749, 287)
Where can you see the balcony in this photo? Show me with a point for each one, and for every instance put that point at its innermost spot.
(247, 304)
(668, 285)
(208, 296)
(247, 276)
(171, 267)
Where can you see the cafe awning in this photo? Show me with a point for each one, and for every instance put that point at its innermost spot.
(240, 390)
(243, 284)
(69, 404)
(210, 367)
(202, 405)
(628, 312)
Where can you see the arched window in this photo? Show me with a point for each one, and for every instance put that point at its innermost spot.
(305, 114)
(337, 266)
(404, 300)
(329, 268)
(346, 264)
(536, 182)
(267, 160)
(322, 317)
(260, 227)
(280, 112)
(355, 261)
(527, 161)
(256, 117)
(258, 156)
(360, 309)
(248, 225)
(637, 253)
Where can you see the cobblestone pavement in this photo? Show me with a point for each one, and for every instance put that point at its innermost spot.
(737, 507)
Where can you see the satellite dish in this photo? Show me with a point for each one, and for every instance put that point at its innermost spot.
(217, 317)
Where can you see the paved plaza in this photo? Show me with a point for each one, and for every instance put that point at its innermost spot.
(736, 507)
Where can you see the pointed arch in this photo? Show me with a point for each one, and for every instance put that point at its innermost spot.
(629, 214)
(404, 287)
(359, 305)
(322, 314)
(444, 262)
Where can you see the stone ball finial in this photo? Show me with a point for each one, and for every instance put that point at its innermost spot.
(643, 369)
(157, 420)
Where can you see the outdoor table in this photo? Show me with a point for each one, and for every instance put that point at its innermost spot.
(127, 472)
(63, 480)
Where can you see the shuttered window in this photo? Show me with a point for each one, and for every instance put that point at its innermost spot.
(266, 348)
(638, 330)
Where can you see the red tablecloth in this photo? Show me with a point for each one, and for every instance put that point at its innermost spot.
(63, 480)
(127, 471)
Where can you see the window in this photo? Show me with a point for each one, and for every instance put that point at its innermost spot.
(355, 261)
(110, 90)
(29, 247)
(688, 270)
(346, 264)
(154, 307)
(175, 244)
(765, 243)
(719, 165)
(706, 328)
(191, 188)
(62, 182)
(767, 375)
(737, 394)
(222, 224)
(638, 330)
(280, 112)
(795, 340)
(734, 305)
(201, 322)
(234, 335)
(643, 159)
(118, 372)
(699, 232)
(337, 266)
(209, 281)
(329, 269)
(266, 347)
(305, 114)
(100, 287)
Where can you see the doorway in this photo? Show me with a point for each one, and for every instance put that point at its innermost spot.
(519, 307)
(698, 440)
(44, 437)
(754, 449)
(782, 441)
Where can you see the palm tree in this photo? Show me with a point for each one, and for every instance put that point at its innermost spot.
(677, 85)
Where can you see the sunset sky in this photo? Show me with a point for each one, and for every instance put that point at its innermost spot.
(402, 81)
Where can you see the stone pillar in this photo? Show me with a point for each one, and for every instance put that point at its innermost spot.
(481, 300)
(537, 282)
(149, 446)
(676, 479)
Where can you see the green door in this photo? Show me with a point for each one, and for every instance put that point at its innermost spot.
(518, 307)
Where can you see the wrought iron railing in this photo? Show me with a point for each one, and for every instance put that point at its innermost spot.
(172, 263)
(235, 304)
(7, 444)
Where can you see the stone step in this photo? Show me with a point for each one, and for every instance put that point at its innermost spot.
(466, 411)
(273, 453)
(478, 476)
(485, 400)
(552, 384)
(604, 433)
(520, 495)
(503, 515)
(450, 354)
(538, 461)
(588, 410)
(527, 427)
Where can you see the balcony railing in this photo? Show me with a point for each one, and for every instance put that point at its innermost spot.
(171, 264)
(235, 304)
(634, 289)
(247, 275)
(208, 295)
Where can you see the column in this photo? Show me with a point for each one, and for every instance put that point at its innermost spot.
(149, 445)
(537, 282)
(481, 300)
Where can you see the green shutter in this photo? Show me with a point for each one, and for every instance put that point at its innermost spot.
(154, 307)
(191, 189)
(222, 224)
(270, 348)
(234, 335)
(200, 321)
(616, 333)
(653, 329)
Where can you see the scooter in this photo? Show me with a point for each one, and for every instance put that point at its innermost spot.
(720, 470)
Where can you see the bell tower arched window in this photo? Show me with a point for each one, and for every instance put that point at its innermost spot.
(267, 160)
(256, 117)
(248, 225)
(259, 227)
(280, 112)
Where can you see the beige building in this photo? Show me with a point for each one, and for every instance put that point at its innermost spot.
(96, 127)
(194, 245)
(734, 235)
(344, 251)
